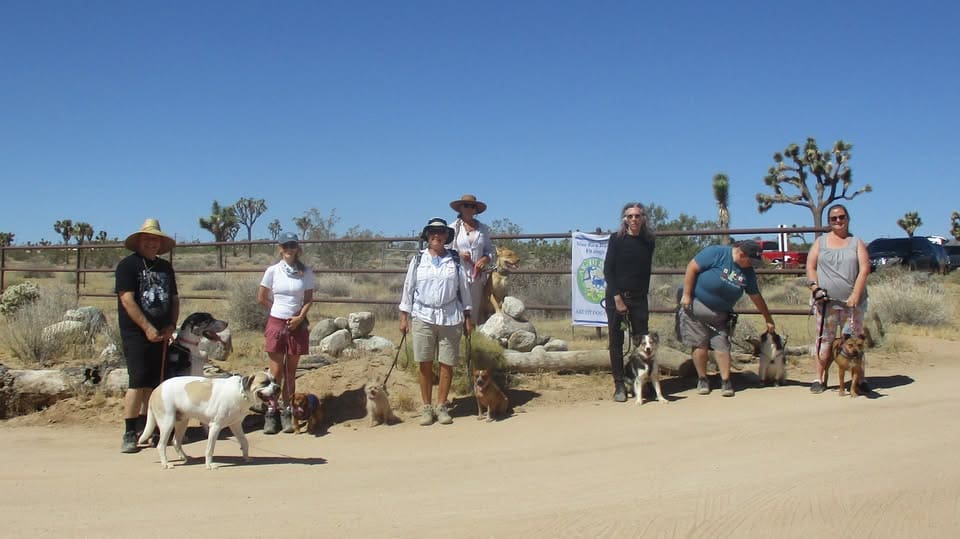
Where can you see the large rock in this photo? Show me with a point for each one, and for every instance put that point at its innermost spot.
(514, 308)
(522, 341)
(336, 342)
(93, 317)
(500, 327)
(374, 344)
(321, 330)
(66, 331)
(361, 324)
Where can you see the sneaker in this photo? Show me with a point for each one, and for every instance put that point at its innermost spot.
(703, 386)
(271, 422)
(727, 388)
(443, 416)
(426, 416)
(620, 393)
(286, 420)
(129, 444)
(816, 387)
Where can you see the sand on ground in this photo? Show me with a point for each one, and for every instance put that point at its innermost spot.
(770, 461)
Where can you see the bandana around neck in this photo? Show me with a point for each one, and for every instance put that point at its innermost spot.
(290, 270)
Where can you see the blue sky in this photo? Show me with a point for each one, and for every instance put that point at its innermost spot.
(554, 113)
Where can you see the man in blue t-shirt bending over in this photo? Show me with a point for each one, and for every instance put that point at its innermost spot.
(713, 283)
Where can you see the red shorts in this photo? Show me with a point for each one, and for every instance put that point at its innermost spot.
(279, 340)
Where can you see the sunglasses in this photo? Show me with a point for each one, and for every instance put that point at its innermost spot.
(431, 231)
(838, 218)
(633, 216)
(470, 205)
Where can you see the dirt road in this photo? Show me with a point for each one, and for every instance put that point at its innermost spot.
(773, 461)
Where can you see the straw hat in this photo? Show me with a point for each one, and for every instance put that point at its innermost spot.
(468, 199)
(151, 227)
(435, 223)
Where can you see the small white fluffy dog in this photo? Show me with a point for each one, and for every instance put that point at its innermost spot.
(772, 359)
(642, 365)
(215, 402)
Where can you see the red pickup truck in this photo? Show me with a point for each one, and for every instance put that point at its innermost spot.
(774, 253)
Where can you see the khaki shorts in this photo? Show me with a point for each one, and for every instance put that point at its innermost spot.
(695, 332)
(428, 338)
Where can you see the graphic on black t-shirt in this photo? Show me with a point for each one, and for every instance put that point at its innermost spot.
(154, 290)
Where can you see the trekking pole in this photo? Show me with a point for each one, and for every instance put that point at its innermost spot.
(395, 358)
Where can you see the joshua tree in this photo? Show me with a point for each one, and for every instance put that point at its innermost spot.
(64, 227)
(303, 224)
(102, 236)
(274, 228)
(910, 222)
(221, 221)
(955, 225)
(721, 192)
(6, 239)
(831, 174)
(248, 211)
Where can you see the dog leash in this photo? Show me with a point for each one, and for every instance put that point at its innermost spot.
(395, 358)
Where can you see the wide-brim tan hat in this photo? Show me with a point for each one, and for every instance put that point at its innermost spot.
(468, 199)
(151, 227)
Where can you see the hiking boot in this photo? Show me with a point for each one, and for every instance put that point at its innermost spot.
(443, 415)
(816, 387)
(619, 392)
(426, 416)
(703, 386)
(726, 389)
(286, 420)
(271, 422)
(129, 443)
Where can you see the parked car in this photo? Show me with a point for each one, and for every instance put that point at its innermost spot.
(916, 253)
(953, 253)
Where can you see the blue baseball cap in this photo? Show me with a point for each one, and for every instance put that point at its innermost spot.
(287, 237)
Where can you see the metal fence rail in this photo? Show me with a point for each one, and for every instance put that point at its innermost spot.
(392, 245)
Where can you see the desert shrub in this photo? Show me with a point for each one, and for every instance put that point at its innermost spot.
(23, 332)
(38, 274)
(18, 296)
(484, 354)
(334, 286)
(914, 298)
(542, 290)
(210, 281)
(243, 311)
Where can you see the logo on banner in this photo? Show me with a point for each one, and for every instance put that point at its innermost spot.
(590, 280)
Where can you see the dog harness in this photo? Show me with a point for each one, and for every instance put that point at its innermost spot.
(312, 404)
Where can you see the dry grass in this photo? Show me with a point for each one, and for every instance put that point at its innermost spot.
(781, 292)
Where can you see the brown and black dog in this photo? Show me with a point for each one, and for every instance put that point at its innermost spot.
(306, 407)
(488, 395)
(848, 355)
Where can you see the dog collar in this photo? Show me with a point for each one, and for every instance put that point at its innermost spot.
(184, 339)
(844, 353)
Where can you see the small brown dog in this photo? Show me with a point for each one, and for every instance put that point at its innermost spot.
(378, 405)
(306, 407)
(848, 354)
(488, 395)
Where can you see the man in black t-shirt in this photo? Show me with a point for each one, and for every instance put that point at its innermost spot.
(147, 312)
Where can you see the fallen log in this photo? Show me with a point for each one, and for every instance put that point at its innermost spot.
(538, 359)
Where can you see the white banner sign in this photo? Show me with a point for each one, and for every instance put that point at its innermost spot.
(589, 286)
